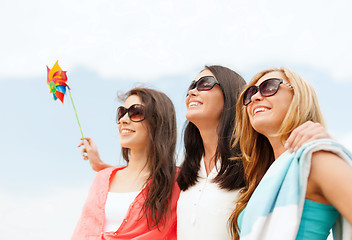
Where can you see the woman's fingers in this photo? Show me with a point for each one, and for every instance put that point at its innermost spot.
(307, 132)
(90, 151)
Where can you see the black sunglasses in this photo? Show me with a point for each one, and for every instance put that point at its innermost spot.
(205, 83)
(135, 113)
(267, 88)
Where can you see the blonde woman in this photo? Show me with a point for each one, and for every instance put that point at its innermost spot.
(301, 194)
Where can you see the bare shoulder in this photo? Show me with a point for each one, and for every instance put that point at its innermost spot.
(327, 166)
(320, 158)
(330, 178)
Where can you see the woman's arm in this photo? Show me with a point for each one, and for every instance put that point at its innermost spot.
(331, 178)
(90, 152)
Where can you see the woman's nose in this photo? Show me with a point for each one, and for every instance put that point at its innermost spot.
(256, 97)
(125, 118)
(192, 92)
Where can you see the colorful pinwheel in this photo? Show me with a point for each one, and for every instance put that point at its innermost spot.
(57, 83)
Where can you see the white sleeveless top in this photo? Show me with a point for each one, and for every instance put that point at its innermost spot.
(204, 208)
(116, 208)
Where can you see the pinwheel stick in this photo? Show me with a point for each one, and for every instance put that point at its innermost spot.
(74, 108)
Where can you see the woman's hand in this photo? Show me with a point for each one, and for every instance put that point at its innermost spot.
(90, 152)
(307, 132)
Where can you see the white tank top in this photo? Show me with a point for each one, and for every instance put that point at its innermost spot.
(116, 207)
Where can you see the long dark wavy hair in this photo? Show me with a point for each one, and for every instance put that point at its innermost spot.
(160, 117)
(230, 174)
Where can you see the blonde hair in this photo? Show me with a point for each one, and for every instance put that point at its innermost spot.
(257, 153)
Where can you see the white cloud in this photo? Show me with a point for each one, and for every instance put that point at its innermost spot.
(50, 215)
(146, 40)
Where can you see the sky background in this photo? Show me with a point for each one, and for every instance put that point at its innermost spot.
(110, 46)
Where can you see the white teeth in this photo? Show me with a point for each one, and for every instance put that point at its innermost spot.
(126, 131)
(260, 109)
(191, 104)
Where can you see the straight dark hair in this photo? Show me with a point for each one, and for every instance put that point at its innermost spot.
(231, 174)
(160, 117)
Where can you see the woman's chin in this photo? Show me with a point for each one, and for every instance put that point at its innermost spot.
(194, 117)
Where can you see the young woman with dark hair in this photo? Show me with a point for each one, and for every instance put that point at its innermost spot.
(230, 84)
(209, 180)
(137, 201)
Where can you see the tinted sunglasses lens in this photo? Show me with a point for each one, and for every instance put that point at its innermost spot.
(121, 111)
(136, 113)
(249, 94)
(206, 83)
(193, 85)
(269, 87)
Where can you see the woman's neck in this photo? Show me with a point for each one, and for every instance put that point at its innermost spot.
(210, 143)
(277, 146)
(138, 161)
(134, 176)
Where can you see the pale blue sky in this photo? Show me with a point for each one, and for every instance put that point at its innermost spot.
(110, 46)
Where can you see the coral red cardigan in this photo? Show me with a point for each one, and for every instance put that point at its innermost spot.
(91, 223)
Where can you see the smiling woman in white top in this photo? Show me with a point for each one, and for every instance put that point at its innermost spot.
(208, 179)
